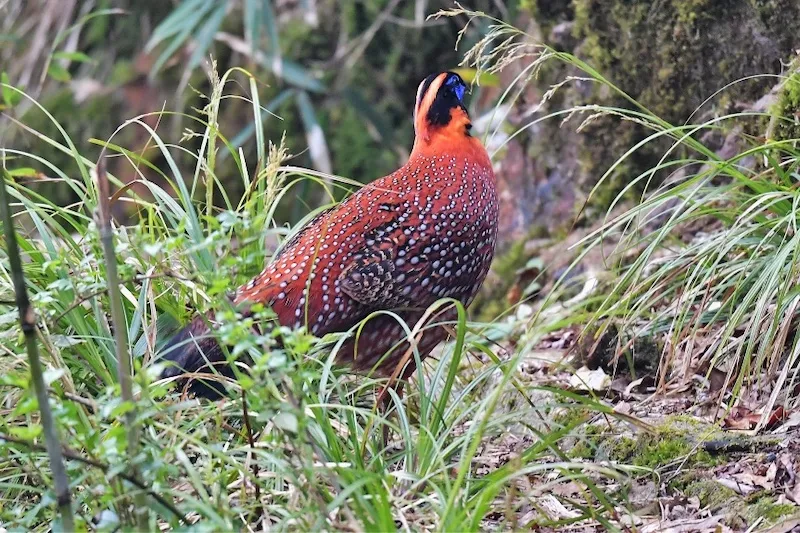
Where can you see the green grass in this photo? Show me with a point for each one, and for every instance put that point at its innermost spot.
(300, 443)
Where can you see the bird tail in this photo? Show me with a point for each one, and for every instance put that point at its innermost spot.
(192, 351)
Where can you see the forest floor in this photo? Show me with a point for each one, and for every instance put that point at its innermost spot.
(696, 466)
(702, 469)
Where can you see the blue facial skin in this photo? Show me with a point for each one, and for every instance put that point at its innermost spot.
(458, 87)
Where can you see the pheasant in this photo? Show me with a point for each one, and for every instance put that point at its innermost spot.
(425, 232)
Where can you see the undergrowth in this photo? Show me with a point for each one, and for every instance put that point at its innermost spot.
(708, 257)
(299, 444)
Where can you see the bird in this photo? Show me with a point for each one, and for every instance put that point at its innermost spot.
(400, 243)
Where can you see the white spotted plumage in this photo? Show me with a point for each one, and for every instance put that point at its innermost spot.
(425, 232)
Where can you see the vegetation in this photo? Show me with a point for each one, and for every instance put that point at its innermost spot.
(300, 436)
(491, 434)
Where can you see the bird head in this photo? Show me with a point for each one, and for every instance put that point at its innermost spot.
(439, 110)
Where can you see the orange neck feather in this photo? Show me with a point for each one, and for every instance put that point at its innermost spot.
(452, 138)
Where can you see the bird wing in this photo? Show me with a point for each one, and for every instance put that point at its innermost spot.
(389, 270)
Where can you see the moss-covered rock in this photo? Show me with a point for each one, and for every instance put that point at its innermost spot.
(710, 493)
(673, 55)
(676, 440)
(669, 56)
(771, 511)
(786, 111)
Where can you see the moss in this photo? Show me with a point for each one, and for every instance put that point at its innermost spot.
(571, 416)
(662, 449)
(770, 510)
(712, 494)
(673, 440)
(623, 449)
(590, 437)
(670, 59)
(682, 424)
(740, 511)
(690, 11)
(548, 12)
(665, 447)
(633, 44)
(786, 111)
(774, 14)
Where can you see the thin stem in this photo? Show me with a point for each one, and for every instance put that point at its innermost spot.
(260, 509)
(27, 319)
(120, 332)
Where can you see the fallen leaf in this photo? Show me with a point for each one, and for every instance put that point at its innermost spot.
(585, 379)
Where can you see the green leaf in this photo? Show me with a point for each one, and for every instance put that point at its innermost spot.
(29, 432)
(121, 409)
(251, 26)
(78, 57)
(286, 421)
(153, 249)
(27, 404)
(11, 96)
(271, 26)
(186, 14)
(58, 73)
(184, 29)
(485, 79)
(205, 36)
(25, 172)
(292, 73)
(14, 380)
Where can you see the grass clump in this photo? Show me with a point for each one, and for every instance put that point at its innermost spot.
(737, 280)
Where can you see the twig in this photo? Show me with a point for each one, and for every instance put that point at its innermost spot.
(27, 319)
(86, 402)
(75, 456)
(120, 331)
(250, 439)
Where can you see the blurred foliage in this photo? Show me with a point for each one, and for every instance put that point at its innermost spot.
(348, 68)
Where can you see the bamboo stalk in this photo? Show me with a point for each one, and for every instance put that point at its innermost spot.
(27, 319)
(120, 333)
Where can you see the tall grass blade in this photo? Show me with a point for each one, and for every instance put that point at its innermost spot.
(317, 145)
